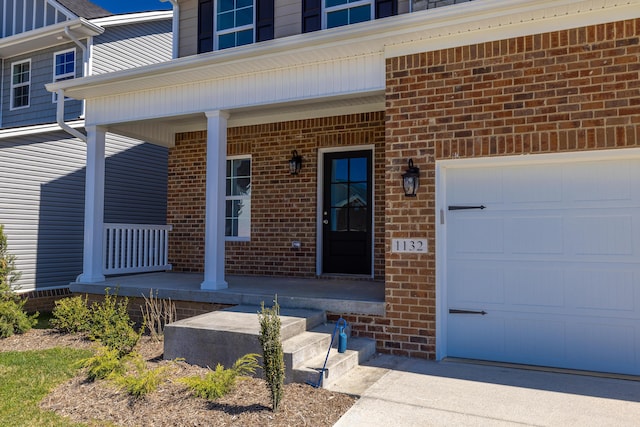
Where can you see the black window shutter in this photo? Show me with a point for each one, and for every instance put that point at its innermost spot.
(205, 26)
(386, 8)
(264, 20)
(311, 15)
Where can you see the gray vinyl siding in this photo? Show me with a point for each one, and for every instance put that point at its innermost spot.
(25, 20)
(41, 108)
(128, 46)
(42, 199)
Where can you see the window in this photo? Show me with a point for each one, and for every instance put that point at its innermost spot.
(64, 67)
(238, 200)
(20, 84)
(234, 23)
(345, 12)
(227, 23)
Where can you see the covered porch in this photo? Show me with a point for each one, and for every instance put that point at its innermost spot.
(335, 294)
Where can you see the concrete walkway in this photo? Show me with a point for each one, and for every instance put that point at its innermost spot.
(402, 392)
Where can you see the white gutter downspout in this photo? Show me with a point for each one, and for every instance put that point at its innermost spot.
(60, 92)
(175, 26)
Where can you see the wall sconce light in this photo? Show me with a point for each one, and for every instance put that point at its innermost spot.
(295, 164)
(411, 180)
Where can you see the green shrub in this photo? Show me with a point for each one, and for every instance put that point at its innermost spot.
(143, 380)
(8, 272)
(13, 319)
(110, 324)
(273, 354)
(103, 364)
(221, 381)
(71, 315)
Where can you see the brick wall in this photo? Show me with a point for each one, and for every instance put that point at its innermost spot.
(43, 301)
(569, 90)
(283, 207)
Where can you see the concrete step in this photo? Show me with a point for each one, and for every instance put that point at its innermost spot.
(358, 351)
(225, 335)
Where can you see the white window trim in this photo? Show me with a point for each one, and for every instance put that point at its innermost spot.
(239, 238)
(13, 86)
(54, 95)
(216, 33)
(327, 10)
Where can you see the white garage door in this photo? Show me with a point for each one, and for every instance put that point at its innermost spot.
(553, 261)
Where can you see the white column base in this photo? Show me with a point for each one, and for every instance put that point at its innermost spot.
(213, 285)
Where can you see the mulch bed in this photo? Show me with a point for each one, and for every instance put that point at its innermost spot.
(101, 403)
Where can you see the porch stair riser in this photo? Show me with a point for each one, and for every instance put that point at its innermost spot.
(224, 336)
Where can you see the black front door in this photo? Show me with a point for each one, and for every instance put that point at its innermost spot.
(346, 213)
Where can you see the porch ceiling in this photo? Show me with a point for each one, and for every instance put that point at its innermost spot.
(162, 131)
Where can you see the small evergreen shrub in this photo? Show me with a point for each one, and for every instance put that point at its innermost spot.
(221, 381)
(71, 315)
(111, 325)
(13, 319)
(143, 380)
(104, 364)
(273, 354)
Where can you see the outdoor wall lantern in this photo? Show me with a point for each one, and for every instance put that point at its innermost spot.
(411, 180)
(295, 164)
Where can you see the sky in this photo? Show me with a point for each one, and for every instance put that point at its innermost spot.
(126, 6)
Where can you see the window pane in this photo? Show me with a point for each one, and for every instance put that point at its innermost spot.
(244, 219)
(339, 195)
(225, 21)
(358, 169)
(339, 219)
(244, 3)
(245, 37)
(358, 219)
(360, 14)
(226, 41)
(21, 96)
(358, 194)
(244, 16)
(340, 170)
(225, 5)
(338, 18)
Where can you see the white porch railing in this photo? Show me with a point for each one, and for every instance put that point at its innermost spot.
(135, 248)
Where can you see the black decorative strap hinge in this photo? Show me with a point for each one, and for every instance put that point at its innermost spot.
(459, 208)
(456, 311)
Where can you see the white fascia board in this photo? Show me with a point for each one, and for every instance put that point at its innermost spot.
(394, 36)
(133, 18)
(36, 129)
(46, 36)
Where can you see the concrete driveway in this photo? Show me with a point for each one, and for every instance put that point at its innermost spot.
(399, 392)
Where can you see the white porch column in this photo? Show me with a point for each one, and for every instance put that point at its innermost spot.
(215, 204)
(94, 207)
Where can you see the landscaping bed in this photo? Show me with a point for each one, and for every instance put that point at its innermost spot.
(101, 403)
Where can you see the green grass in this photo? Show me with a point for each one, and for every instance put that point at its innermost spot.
(26, 377)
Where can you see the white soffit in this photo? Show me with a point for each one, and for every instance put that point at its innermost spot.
(48, 36)
(455, 25)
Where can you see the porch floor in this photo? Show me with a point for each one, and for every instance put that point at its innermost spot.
(336, 295)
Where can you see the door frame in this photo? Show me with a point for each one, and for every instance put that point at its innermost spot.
(443, 166)
(320, 200)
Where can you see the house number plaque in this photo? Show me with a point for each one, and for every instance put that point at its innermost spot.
(409, 245)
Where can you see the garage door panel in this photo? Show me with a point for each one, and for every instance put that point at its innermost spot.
(554, 262)
(477, 235)
(604, 346)
(599, 181)
(536, 235)
(485, 337)
(545, 191)
(608, 291)
(602, 234)
(487, 288)
(535, 340)
(538, 288)
(471, 189)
